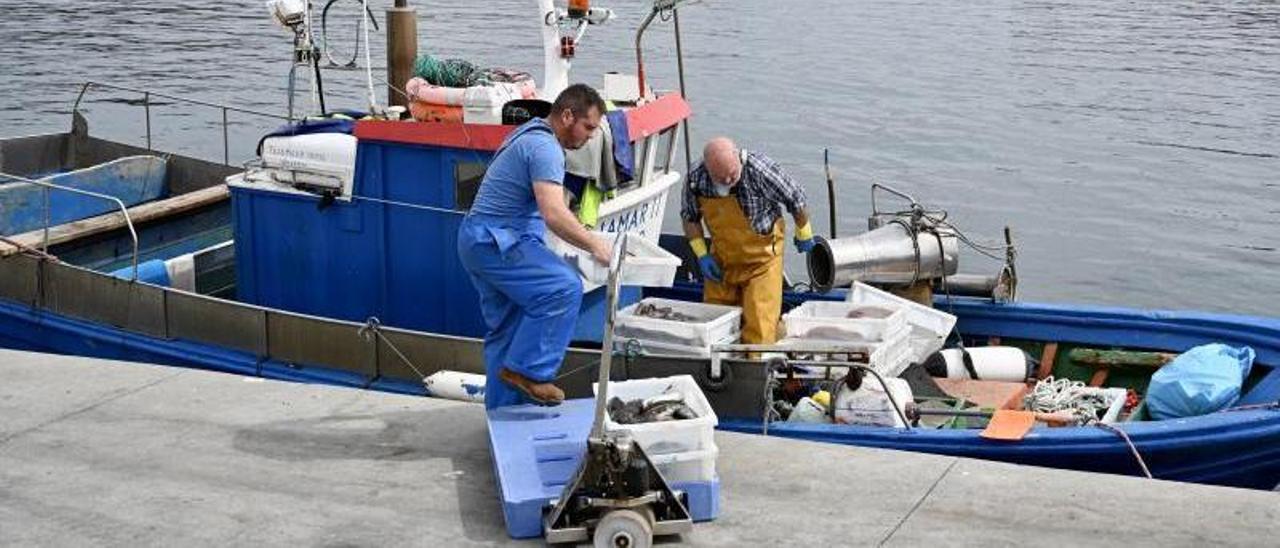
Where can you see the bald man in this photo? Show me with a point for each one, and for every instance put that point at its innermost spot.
(740, 195)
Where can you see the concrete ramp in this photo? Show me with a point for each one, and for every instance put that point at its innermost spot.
(94, 452)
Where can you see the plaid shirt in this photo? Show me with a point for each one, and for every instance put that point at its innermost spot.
(762, 191)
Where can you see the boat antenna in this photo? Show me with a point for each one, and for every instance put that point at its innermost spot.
(295, 15)
(368, 62)
(562, 33)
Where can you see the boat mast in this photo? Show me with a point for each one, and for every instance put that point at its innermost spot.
(562, 31)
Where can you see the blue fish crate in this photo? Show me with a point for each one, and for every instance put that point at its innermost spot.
(537, 449)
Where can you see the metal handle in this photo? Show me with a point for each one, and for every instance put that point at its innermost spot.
(891, 190)
(123, 211)
(611, 316)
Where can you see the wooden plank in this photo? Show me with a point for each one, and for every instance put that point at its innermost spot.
(1120, 358)
(986, 394)
(1099, 376)
(114, 221)
(1047, 357)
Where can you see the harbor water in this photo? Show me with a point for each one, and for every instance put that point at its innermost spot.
(1132, 147)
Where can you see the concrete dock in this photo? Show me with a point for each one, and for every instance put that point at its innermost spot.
(95, 452)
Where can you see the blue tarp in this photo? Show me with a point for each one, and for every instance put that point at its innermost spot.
(1199, 381)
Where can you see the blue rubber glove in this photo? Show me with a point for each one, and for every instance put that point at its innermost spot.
(804, 238)
(710, 270)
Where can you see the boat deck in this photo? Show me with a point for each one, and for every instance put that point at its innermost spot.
(110, 453)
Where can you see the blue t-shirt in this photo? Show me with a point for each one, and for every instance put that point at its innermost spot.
(532, 153)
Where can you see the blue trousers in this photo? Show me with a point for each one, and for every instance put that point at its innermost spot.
(529, 298)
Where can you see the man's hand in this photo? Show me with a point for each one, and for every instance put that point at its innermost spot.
(710, 268)
(563, 223)
(601, 250)
(804, 238)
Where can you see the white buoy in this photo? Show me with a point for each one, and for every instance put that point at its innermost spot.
(455, 385)
(991, 363)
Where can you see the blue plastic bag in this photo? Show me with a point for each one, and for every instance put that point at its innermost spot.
(1202, 380)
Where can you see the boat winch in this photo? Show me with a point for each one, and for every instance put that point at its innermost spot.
(904, 248)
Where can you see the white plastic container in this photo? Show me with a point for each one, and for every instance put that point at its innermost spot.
(888, 358)
(646, 264)
(489, 115)
(828, 320)
(638, 211)
(807, 410)
(662, 438)
(711, 323)
(869, 405)
(930, 327)
(688, 466)
(657, 348)
(1117, 397)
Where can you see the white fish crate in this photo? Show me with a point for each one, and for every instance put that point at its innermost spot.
(930, 327)
(888, 358)
(711, 323)
(667, 437)
(829, 320)
(645, 263)
(689, 466)
(658, 348)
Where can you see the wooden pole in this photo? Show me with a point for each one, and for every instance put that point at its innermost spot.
(402, 50)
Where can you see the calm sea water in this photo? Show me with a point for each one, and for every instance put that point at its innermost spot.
(1132, 146)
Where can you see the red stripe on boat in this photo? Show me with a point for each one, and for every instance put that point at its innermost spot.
(654, 117)
(642, 122)
(465, 136)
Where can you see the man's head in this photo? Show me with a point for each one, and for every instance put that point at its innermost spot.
(723, 163)
(576, 115)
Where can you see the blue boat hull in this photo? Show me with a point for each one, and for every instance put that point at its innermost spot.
(1237, 448)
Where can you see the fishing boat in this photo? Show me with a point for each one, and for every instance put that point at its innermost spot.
(350, 278)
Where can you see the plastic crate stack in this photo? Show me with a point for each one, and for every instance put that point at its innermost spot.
(701, 325)
(880, 330)
(683, 450)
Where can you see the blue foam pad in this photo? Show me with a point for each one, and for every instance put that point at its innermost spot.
(537, 449)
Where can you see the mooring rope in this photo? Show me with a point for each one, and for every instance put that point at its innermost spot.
(373, 327)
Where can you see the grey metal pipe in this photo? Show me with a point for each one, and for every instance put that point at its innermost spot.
(995, 286)
(888, 254)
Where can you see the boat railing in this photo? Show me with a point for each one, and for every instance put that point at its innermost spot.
(147, 95)
(44, 248)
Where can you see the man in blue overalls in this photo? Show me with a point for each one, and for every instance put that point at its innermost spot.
(528, 295)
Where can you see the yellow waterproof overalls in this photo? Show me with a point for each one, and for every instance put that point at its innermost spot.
(751, 264)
